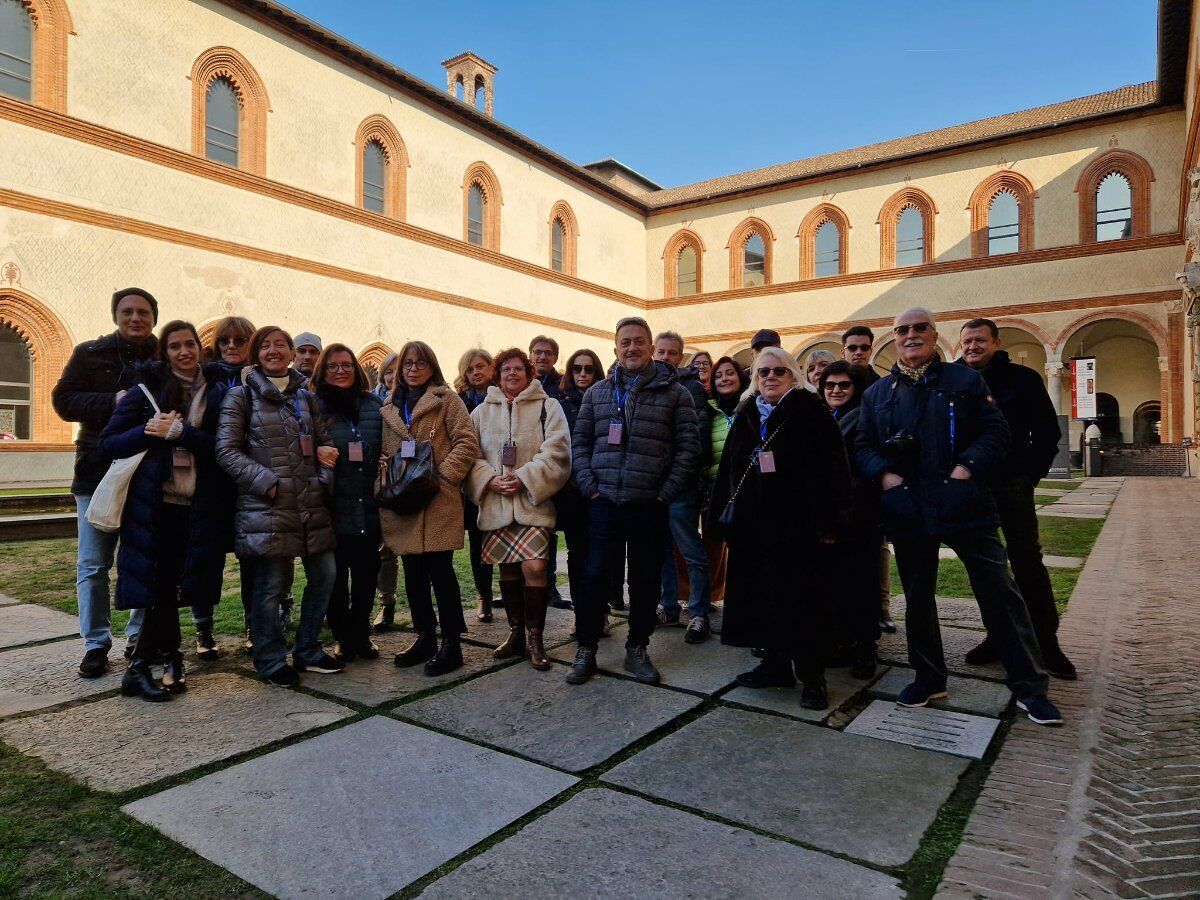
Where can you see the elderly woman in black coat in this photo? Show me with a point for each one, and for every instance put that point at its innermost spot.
(855, 558)
(781, 490)
(179, 507)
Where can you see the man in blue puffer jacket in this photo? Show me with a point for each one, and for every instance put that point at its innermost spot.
(928, 432)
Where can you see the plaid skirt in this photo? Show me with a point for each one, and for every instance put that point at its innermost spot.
(515, 543)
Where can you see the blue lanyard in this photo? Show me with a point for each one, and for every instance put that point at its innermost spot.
(353, 429)
(952, 451)
(299, 415)
(404, 411)
(622, 396)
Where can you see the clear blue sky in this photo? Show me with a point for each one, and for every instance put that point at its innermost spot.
(687, 91)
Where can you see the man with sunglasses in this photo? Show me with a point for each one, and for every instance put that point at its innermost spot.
(928, 432)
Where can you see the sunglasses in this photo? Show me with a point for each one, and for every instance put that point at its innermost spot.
(236, 341)
(777, 371)
(584, 370)
(838, 385)
(858, 348)
(918, 327)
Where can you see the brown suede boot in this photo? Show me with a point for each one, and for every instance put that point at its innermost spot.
(536, 599)
(510, 592)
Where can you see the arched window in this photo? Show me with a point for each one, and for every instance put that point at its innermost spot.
(481, 207)
(564, 238)
(683, 265)
(1114, 197)
(381, 168)
(827, 258)
(229, 111)
(750, 253)
(16, 386)
(16, 54)
(1002, 214)
(1004, 229)
(906, 229)
(558, 237)
(824, 242)
(222, 122)
(374, 175)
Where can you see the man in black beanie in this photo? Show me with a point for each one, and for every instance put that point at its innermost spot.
(96, 377)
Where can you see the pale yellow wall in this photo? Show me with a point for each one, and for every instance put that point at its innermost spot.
(316, 107)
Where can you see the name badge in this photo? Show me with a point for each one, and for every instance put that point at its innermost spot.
(355, 449)
(766, 462)
(408, 449)
(616, 431)
(306, 444)
(508, 456)
(180, 458)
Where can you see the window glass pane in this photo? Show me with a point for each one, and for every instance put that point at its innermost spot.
(558, 233)
(222, 119)
(1003, 224)
(475, 206)
(827, 250)
(754, 261)
(685, 273)
(16, 378)
(910, 237)
(16, 50)
(374, 176)
(1114, 208)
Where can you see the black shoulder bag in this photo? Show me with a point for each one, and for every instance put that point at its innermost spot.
(409, 484)
(726, 517)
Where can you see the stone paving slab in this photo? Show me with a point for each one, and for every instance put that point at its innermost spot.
(6, 600)
(559, 625)
(372, 682)
(955, 643)
(539, 715)
(841, 686)
(932, 729)
(124, 742)
(24, 623)
(704, 668)
(1065, 512)
(358, 812)
(962, 612)
(969, 695)
(48, 674)
(617, 845)
(841, 792)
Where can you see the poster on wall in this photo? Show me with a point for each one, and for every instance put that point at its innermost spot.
(1083, 387)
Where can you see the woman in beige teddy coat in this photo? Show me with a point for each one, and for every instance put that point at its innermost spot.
(524, 460)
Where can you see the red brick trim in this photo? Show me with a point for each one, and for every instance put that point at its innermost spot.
(1175, 340)
(481, 173)
(749, 226)
(889, 213)
(51, 25)
(981, 202)
(562, 212)
(1025, 325)
(1139, 174)
(807, 232)
(374, 354)
(684, 237)
(49, 345)
(1142, 320)
(382, 131)
(225, 62)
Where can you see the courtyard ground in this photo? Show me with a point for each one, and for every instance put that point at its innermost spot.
(503, 780)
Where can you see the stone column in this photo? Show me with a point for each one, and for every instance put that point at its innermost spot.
(1061, 467)
(1054, 369)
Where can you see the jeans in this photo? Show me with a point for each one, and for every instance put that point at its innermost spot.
(427, 574)
(684, 514)
(96, 551)
(644, 528)
(1004, 614)
(272, 575)
(1019, 522)
(353, 591)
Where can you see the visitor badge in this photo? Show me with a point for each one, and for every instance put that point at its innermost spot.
(180, 458)
(615, 431)
(766, 462)
(355, 449)
(508, 456)
(306, 444)
(408, 449)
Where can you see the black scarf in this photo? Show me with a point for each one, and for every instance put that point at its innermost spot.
(407, 397)
(728, 403)
(340, 401)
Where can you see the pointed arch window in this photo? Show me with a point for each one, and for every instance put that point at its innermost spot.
(481, 207)
(1002, 215)
(683, 265)
(374, 176)
(564, 238)
(229, 111)
(381, 168)
(824, 242)
(750, 252)
(476, 208)
(16, 386)
(33, 51)
(222, 122)
(1114, 197)
(1114, 208)
(906, 229)
(16, 52)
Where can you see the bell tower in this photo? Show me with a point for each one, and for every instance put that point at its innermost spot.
(471, 79)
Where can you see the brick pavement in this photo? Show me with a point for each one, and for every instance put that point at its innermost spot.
(1108, 805)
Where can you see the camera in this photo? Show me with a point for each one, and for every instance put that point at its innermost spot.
(901, 446)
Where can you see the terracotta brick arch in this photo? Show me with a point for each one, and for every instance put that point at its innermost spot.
(1139, 174)
(374, 354)
(380, 130)
(562, 212)
(51, 26)
(684, 237)
(225, 62)
(812, 340)
(480, 173)
(49, 345)
(1151, 327)
(1025, 325)
(749, 226)
(889, 214)
(807, 233)
(208, 332)
(981, 202)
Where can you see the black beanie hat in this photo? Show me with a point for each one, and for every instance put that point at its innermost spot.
(125, 292)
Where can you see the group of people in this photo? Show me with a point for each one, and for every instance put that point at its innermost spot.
(766, 491)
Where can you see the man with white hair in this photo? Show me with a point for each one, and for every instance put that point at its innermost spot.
(928, 432)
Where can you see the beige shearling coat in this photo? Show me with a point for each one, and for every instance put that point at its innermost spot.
(441, 418)
(543, 461)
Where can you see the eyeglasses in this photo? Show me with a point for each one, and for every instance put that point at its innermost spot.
(540, 353)
(858, 348)
(918, 327)
(419, 364)
(838, 385)
(777, 371)
(339, 367)
(584, 370)
(236, 341)
(512, 370)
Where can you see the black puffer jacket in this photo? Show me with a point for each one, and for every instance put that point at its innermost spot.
(355, 513)
(660, 453)
(689, 377)
(258, 444)
(86, 393)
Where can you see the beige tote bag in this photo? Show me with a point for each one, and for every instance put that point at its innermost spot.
(108, 500)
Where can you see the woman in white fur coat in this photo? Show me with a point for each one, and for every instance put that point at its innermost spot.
(524, 460)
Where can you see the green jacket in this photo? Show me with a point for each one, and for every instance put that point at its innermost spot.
(720, 431)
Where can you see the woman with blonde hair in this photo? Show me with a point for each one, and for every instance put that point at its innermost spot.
(475, 371)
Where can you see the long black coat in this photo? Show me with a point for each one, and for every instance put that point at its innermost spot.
(211, 512)
(779, 518)
(355, 513)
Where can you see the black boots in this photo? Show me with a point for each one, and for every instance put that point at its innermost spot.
(536, 600)
(584, 666)
(420, 650)
(386, 619)
(138, 681)
(174, 675)
(448, 658)
(512, 593)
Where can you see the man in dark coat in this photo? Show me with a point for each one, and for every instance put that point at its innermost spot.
(634, 450)
(543, 353)
(95, 379)
(1033, 423)
(928, 432)
(685, 509)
